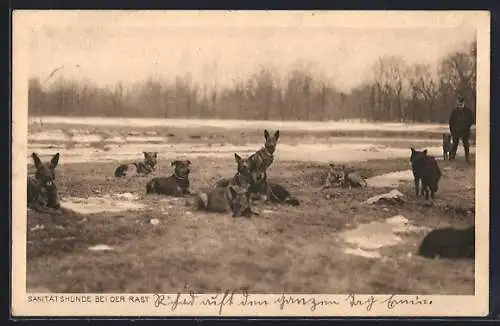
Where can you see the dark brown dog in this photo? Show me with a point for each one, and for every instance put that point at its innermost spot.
(42, 189)
(176, 185)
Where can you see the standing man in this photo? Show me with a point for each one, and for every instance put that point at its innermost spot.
(461, 120)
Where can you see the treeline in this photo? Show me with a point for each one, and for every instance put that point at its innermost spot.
(396, 91)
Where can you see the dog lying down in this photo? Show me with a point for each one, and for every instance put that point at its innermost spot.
(231, 199)
(176, 185)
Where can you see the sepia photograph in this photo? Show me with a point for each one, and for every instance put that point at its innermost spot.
(326, 160)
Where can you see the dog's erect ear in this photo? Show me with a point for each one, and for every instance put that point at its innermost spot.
(188, 162)
(425, 151)
(156, 154)
(174, 163)
(36, 160)
(237, 157)
(412, 149)
(266, 134)
(277, 134)
(54, 161)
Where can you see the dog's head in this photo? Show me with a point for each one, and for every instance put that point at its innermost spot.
(181, 168)
(271, 141)
(446, 138)
(45, 176)
(243, 167)
(240, 202)
(336, 174)
(417, 156)
(151, 158)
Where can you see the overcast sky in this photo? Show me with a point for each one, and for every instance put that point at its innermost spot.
(107, 48)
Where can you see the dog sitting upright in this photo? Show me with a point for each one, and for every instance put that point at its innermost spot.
(264, 157)
(254, 181)
(176, 185)
(426, 170)
(446, 146)
(42, 190)
(138, 168)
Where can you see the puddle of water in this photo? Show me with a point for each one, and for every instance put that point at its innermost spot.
(115, 139)
(391, 196)
(145, 139)
(375, 235)
(391, 179)
(49, 135)
(237, 124)
(321, 153)
(107, 203)
(362, 253)
(86, 138)
(37, 227)
(101, 247)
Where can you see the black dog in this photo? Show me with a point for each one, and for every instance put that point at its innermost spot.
(176, 185)
(426, 170)
(449, 243)
(42, 189)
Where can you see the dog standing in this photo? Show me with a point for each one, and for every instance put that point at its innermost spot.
(446, 146)
(42, 190)
(138, 168)
(230, 199)
(426, 170)
(176, 185)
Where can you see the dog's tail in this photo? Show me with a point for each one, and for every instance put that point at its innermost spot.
(292, 201)
(279, 194)
(201, 201)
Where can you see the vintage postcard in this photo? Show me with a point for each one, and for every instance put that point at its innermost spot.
(250, 163)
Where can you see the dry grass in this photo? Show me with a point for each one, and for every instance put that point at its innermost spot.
(294, 249)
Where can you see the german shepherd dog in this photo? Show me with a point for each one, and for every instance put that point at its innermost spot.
(341, 176)
(449, 243)
(244, 177)
(426, 170)
(176, 185)
(138, 168)
(264, 157)
(42, 190)
(230, 199)
(446, 146)
(257, 184)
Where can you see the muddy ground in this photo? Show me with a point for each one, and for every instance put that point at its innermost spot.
(291, 249)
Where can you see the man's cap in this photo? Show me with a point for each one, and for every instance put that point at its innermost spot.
(460, 99)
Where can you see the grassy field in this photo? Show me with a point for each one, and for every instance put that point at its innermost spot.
(295, 249)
